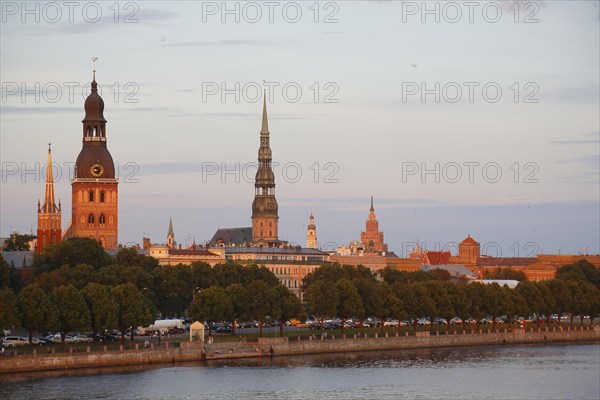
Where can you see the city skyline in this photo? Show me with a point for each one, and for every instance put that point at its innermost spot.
(169, 142)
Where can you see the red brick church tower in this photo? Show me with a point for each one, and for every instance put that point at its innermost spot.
(94, 187)
(49, 228)
(372, 238)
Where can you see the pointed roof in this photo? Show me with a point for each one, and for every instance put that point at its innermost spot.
(49, 202)
(372, 209)
(469, 240)
(265, 123)
(170, 233)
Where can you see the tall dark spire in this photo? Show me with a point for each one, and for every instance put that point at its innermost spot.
(49, 202)
(264, 207)
(372, 209)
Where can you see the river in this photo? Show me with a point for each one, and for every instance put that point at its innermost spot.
(520, 372)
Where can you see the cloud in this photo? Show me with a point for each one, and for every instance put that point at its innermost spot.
(588, 138)
(37, 110)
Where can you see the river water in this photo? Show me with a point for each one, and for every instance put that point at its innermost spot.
(522, 372)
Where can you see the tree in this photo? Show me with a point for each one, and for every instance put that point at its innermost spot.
(173, 288)
(102, 307)
(260, 302)
(74, 251)
(285, 306)
(38, 314)
(562, 296)
(371, 295)
(582, 270)
(323, 299)
(226, 274)
(203, 275)
(9, 313)
(443, 303)
(530, 292)
(476, 293)
(238, 298)
(417, 302)
(72, 311)
(130, 257)
(548, 303)
(506, 273)
(17, 242)
(132, 308)
(460, 301)
(350, 303)
(211, 305)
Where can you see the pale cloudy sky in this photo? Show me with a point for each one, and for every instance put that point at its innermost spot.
(375, 94)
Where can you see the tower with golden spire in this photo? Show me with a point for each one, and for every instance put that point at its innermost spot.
(49, 229)
(264, 207)
(311, 233)
(95, 186)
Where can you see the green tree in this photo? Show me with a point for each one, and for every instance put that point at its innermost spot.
(323, 299)
(416, 300)
(350, 303)
(203, 275)
(9, 313)
(130, 257)
(506, 273)
(102, 307)
(562, 296)
(211, 305)
(530, 292)
(173, 288)
(38, 314)
(260, 302)
(460, 301)
(226, 274)
(17, 242)
(132, 308)
(582, 270)
(285, 306)
(443, 302)
(548, 302)
(74, 251)
(238, 298)
(476, 293)
(71, 310)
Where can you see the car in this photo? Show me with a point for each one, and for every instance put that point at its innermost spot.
(44, 340)
(223, 329)
(391, 322)
(37, 342)
(82, 339)
(15, 341)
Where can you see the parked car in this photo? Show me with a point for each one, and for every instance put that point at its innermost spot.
(37, 342)
(15, 341)
(391, 322)
(82, 339)
(44, 340)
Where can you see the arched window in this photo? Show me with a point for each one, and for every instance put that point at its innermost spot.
(91, 196)
(91, 219)
(110, 219)
(82, 219)
(101, 197)
(102, 219)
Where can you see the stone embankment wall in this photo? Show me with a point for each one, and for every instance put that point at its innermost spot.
(281, 346)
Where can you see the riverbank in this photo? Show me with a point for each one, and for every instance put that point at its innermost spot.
(273, 347)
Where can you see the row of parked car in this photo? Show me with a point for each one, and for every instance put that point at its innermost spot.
(20, 341)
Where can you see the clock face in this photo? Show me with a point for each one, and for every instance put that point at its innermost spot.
(97, 170)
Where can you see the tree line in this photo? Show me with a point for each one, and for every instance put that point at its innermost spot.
(354, 292)
(76, 286)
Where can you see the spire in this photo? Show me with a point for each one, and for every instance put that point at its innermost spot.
(171, 233)
(265, 123)
(49, 204)
(372, 209)
(94, 84)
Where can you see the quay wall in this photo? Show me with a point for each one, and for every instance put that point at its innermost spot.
(270, 347)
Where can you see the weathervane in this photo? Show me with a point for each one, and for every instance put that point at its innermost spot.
(94, 59)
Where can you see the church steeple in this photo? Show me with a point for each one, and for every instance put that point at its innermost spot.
(371, 237)
(264, 207)
(49, 229)
(171, 235)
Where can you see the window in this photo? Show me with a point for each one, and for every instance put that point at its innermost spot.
(102, 219)
(101, 197)
(91, 219)
(91, 196)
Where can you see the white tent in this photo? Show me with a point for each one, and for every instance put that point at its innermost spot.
(197, 331)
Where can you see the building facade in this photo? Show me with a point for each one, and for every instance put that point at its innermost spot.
(95, 186)
(49, 221)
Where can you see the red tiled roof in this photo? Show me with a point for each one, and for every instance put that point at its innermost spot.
(469, 240)
(505, 261)
(186, 252)
(438, 257)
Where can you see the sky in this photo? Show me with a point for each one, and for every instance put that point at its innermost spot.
(460, 118)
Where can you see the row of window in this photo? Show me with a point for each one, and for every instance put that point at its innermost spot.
(100, 196)
(91, 219)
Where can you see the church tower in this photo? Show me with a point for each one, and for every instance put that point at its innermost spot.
(372, 238)
(171, 243)
(264, 207)
(49, 228)
(311, 234)
(94, 186)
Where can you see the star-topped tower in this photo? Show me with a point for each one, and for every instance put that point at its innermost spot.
(49, 228)
(95, 186)
(372, 238)
(311, 233)
(264, 208)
